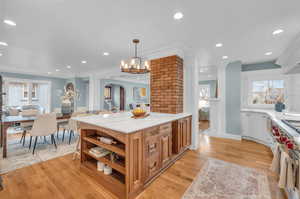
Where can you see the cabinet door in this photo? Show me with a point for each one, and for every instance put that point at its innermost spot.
(165, 148)
(177, 136)
(135, 176)
(184, 133)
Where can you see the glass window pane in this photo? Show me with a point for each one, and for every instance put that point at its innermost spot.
(267, 91)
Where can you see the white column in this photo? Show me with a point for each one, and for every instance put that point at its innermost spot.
(191, 95)
(94, 93)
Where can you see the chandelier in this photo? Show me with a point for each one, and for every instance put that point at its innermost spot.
(135, 65)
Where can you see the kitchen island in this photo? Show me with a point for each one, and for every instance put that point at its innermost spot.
(142, 148)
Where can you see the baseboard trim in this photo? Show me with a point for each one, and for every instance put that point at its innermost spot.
(222, 135)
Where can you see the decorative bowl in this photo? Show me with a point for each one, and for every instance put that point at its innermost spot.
(138, 112)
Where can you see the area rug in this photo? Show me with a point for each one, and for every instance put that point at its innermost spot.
(19, 156)
(222, 180)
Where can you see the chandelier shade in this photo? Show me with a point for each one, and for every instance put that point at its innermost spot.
(135, 65)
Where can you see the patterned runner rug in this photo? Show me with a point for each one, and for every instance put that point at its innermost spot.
(222, 180)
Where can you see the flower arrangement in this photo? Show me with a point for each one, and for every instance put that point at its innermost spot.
(69, 96)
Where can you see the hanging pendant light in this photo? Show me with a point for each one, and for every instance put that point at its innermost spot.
(135, 65)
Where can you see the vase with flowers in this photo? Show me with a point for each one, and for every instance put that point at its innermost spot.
(67, 100)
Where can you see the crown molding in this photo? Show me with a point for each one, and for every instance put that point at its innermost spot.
(35, 73)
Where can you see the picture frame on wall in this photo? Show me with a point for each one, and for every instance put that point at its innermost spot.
(139, 93)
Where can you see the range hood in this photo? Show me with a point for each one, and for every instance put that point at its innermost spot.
(290, 58)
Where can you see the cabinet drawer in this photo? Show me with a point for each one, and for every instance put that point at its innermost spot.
(151, 132)
(165, 128)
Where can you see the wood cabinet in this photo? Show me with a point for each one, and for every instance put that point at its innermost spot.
(151, 153)
(166, 146)
(181, 134)
(135, 160)
(142, 155)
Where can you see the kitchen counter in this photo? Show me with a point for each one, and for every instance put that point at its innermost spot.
(277, 117)
(122, 122)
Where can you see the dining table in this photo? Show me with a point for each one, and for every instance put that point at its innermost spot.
(12, 121)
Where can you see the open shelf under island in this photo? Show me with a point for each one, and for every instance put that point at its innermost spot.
(144, 147)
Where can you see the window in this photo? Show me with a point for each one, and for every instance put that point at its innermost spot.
(25, 91)
(266, 92)
(34, 91)
(107, 92)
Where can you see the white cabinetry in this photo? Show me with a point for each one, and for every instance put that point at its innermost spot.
(255, 127)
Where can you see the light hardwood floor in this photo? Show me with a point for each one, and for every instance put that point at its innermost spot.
(61, 178)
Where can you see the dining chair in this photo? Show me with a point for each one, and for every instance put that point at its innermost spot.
(26, 126)
(71, 126)
(78, 144)
(44, 125)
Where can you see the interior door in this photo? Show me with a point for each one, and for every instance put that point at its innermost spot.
(122, 99)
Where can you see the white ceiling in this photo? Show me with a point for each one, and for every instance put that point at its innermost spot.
(52, 34)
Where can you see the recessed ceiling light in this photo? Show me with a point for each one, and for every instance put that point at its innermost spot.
(69, 67)
(277, 32)
(1, 54)
(268, 53)
(49, 73)
(2, 43)
(106, 53)
(9, 22)
(178, 16)
(57, 70)
(225, 57)
(218, 45)
(83, 62)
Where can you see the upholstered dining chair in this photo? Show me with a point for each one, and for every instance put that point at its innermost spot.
(71, 126)
(44, 125)
(77, 129)
(26, 126)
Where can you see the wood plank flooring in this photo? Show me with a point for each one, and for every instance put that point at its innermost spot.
(61, 178)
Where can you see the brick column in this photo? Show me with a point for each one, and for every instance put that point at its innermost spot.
(166, 82)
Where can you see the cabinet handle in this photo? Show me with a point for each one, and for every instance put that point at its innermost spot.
(152, 166)
(152, 148)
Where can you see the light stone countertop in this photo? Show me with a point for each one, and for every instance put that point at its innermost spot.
(123, 122)
(277, 117)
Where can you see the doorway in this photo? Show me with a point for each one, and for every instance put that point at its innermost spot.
(203, 106)
(114, 97)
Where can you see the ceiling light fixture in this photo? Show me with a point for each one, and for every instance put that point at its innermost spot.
(106, 53)
(69, 67)
(268, 53)
(135, 65)
(9, 22)
(1, 54)
(178, 16)
(277, 32)
(49, 73)
(57, 70)
(225, 57)
(83, 62)
(218, 45)
(2, 43)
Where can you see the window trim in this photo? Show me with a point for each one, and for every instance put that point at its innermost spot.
(262, 78)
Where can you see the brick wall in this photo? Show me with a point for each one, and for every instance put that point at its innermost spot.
(166, 82)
